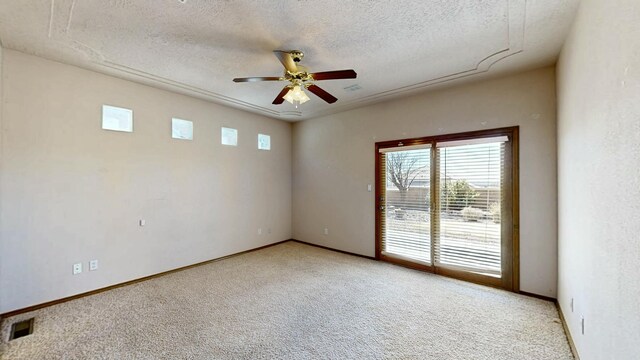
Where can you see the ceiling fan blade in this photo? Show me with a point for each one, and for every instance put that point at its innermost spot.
(257, 78)
(334, 75)
(322, 94)
(286, 60)
(280, 98)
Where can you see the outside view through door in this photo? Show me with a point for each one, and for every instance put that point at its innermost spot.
(469, 202)
(464, 232)
(406, 228)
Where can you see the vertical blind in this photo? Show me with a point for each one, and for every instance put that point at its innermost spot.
(405, 231)
(470, 183)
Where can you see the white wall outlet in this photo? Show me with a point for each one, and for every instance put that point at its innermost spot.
(571, 304)
(142, 222)
(77, 268)
(93, 265)
(326, 231)
(369, 187)
(259, 231)
(582, 323)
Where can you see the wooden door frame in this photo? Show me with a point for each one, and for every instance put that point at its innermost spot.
(510, 249)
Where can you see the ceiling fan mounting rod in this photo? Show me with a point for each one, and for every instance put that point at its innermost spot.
(296, 55)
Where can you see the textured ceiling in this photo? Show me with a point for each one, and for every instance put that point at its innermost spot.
(197, 47)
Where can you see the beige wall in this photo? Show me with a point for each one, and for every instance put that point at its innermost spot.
(334, 161)
(71, 192)
(598, 179)
(1, 169)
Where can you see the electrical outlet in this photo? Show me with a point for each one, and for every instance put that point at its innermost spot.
(142, 222)
(582, 323)
(369, 187)
(571, 304)
(77, 268)
(93, 265)
(326, 231)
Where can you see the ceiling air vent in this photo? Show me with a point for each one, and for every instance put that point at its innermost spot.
(354, 87)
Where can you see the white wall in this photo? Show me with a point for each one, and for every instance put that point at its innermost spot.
(334, 160)
(598, 179)
(71, 192)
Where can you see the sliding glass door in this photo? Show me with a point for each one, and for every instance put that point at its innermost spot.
(448, 204)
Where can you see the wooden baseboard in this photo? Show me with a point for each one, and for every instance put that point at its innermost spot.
(572, 345)
(130, 282)
(332, 249)
(541, 297)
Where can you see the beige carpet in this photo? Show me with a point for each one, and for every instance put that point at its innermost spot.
(294, 301)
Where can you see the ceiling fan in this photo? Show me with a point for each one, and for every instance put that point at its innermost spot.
(299, 77)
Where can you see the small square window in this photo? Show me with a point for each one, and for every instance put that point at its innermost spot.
(181, 129)
(229, 136)
(264, 142)
(117, 119)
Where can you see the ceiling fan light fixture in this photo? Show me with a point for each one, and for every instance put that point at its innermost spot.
(296, 96)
